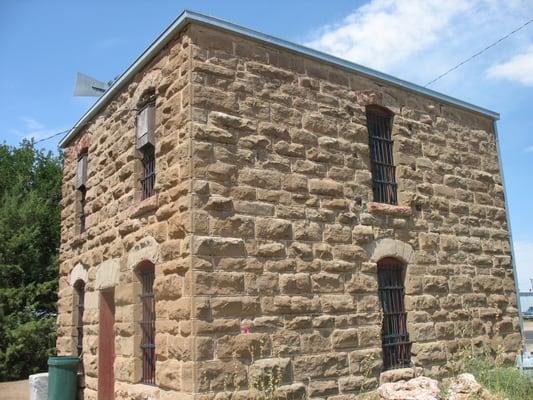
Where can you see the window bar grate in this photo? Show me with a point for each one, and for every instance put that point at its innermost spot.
(148, 327)
(148, 178)
(384, 185)
(395, 338)
(83, 201)
(80, 290)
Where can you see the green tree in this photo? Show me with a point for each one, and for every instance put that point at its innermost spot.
(30, 187)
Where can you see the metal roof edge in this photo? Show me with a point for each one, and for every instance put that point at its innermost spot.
(190, 16)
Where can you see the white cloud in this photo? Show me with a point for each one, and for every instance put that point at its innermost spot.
(383, 33)
(33, 129)
(519, 68)
(419, 39)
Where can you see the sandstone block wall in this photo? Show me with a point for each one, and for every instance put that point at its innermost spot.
(264, 234)
(122, 231)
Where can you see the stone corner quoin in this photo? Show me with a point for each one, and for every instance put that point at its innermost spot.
(265, 237)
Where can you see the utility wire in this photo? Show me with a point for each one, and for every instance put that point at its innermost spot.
(68, 130)
(52, 136)
(479, 52)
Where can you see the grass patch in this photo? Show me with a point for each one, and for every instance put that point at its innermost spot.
(505, 381)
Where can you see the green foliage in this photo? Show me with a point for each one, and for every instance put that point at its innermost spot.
(30, 187)
(505, 381)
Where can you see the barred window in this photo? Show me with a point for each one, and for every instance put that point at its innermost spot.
(379, 124)
(146, 274)
(79, 289)
(145, 142)
(83, 201)
(148, 177)
(81, 186)
(395, 338)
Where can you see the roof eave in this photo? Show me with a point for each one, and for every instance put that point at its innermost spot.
(191, 16)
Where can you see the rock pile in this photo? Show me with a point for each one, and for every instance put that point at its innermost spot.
(420, 388)
(463, 387)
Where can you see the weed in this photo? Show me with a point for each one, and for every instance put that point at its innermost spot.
(502, 380)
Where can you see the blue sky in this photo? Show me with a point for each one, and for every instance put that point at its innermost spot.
(44, 44)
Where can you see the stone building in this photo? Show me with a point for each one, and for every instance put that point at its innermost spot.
(240, 213)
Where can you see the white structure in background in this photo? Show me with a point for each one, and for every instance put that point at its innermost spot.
(525, 363)
(39, 386)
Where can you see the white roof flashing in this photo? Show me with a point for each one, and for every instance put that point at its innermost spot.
(190, 16)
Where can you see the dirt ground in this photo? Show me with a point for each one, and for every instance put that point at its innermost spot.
(17, 390)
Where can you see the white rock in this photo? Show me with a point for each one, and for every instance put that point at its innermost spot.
(465, 387)
(39, 386)
(421, 388)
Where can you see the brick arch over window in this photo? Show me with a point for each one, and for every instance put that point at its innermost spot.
(83, 144)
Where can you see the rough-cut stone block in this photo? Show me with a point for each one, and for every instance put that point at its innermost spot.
(273, 228)
(342, 338)
(337, 303)
(235, 307)
(295, 283)
(320, 366)
(248, 346)
(326, 187)
(222, 247)
(218, 283)
(269, 370)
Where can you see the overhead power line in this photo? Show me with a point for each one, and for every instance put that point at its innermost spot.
(52, 136)
(479, 52)
(68, 130)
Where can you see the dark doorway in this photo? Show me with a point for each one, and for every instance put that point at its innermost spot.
(395, 338)
(106, 346)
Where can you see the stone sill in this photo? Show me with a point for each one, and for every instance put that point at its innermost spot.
(389, 209)
(400, 374)
(144, 206)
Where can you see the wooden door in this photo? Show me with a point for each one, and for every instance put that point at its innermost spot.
(106, 346)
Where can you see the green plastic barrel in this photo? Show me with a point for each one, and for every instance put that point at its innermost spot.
(63, 377)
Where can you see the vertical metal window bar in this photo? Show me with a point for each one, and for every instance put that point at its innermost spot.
(83, 201)
(148, 178)
(80, 291)
(383, 170)
(395, 338)
(148, 327)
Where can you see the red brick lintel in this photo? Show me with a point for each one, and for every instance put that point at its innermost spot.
(389, 209)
